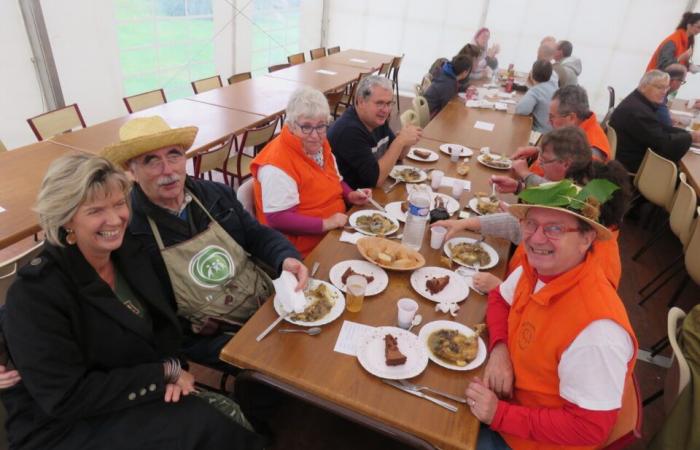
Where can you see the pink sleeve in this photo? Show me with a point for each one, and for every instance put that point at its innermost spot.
(346, 190)
(291, 222)
(568, 425)
(497, 312)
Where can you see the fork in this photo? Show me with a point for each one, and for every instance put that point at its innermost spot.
(391, 186)
(417, 387)
(494, 197)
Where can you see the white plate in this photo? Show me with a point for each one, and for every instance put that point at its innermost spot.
(432, 157)
(480, 158)
(490, 250)
(368, 212)
(422, 176)
(334, 313)
(370, 354)
(451, 204)
(456, 290)
(431, 327)
(465, 151)
(380, 282)
(394, 210)
(472, 205)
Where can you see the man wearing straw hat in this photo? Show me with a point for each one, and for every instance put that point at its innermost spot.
(562, 347)
(201, 239)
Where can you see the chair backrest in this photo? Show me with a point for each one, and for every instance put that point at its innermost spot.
(409, 117)
(297, 58)
(245, 196)
(2, 147)
(685, 201)
(239, 77)
(612, 140)
(277, 67)
(628, 426)
(678, 376)
(56, 122)
(534, 138)
(606, 118)
(692, 252)
(423, 86)
(333, 99)
(215, 158)
(333, 50)
(206, 84)
(611, 97)
(139, 102)
(656, 179)
(9, 268)
(318, 53)
(420, 105)
(384, 69)
(254, 137)
(395, 66)
(353, 89)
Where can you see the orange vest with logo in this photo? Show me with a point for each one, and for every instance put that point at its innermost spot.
(680, 39)
(605, 253)
(320, 192)
(541, 326)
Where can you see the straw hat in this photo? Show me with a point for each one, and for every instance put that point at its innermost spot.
(582, 203)
(144, 135)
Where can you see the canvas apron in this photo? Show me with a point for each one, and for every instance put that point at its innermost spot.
(213, 277)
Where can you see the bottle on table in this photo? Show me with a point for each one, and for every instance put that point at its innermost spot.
(511, 78)
(416, 219)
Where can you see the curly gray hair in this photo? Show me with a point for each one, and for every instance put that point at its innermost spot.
(366, 86)
(573, 99)
(307, 102)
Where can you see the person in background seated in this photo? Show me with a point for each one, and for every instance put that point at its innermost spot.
(200, 239)
(561, 344)
(298, 189)
(94, 336)
(486, 62)
(445, 86)
(536, 101)
(677, 74)
(567, 67)
(546, 51)
(638, 127)
(364, 146)
(677, 48)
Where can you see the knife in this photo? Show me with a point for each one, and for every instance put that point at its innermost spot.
(439, 402)
(374, 203)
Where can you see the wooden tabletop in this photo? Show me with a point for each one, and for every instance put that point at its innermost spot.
(21, 172)
(337, 76)
(267, 96)
(310, 367)
(214, 122)
(359, 58)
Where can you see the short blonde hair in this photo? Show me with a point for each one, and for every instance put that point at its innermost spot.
(69, 182)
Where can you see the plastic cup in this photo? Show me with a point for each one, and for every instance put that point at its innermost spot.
(406, 311)
(437, 235)
(355, 290)
(456, 153)
(436, 179)
(457, 188)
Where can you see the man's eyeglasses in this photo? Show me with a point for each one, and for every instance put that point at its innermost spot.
(381, 105)
(543, 161)
(550, 230)
(156, 164)
(307, 129)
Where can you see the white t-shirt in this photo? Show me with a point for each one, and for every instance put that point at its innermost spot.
(592, 370)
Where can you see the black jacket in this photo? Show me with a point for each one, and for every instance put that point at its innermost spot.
(267, 245)
(638, 128)
(81, 353)
(441, 91)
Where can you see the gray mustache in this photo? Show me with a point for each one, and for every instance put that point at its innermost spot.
(168, 179)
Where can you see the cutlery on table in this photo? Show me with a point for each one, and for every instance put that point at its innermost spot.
(314, 269)
(391, 186)
(494, 197)
(417, 387)
(374, 203)
(439, 402)
(313, 331)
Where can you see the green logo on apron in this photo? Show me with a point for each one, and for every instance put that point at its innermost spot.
(211, 267)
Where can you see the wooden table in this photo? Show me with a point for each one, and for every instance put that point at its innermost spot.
(214, 123)
(21, 172)
(360, 59)
(308, 368)
(308, 74)
(266, 96)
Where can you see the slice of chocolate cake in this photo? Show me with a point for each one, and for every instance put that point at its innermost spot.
(393, 355)
(437, 284)
(421, 154)
(349, 272)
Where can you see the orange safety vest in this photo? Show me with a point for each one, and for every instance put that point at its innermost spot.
(605, 253)
(320, 192)
(541, 326)
(680, 39)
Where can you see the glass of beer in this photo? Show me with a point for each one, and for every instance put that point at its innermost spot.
(355, 292)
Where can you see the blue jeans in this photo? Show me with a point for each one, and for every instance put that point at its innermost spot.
(490, 440)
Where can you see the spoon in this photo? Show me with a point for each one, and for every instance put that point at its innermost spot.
(313, 331)
(417, 319)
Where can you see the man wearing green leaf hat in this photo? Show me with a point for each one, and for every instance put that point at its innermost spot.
(561, 345)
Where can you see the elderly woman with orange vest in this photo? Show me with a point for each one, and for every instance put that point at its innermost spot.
(561, 344)
(298, 189)
(678, 47)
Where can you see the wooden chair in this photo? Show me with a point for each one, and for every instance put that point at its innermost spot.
(238, 165)
(9, 268)
(58, 121)
(534, 138)
(239, 77)
(349, 95)
(409, 117)
(394, 75)
(611, 97)
(146, 100)
(612, 141)
(628, 427)
(691, 259)
(421, 88)
(297, 58)
(317, 53)
(245, 195)
(215, 158)
(333, 99)
(2, 147)
(420, 106)
(334, 50)
(206, 84)
(384, 69)
(277, 67)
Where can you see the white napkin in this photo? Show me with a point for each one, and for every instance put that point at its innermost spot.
(500, 106)
(448, 307)
(290, 299)
(326, 72)
(358, 60)
(506, 94)
(492, 85)
(448, 181)
(350, 238)
(486, 126)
